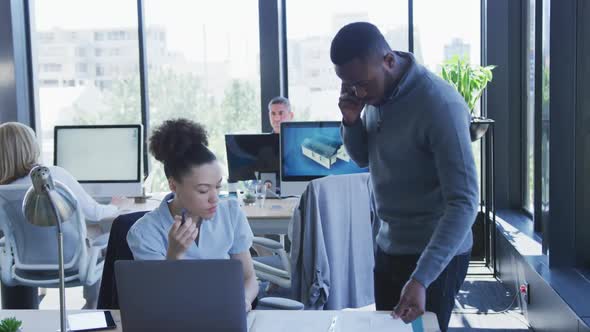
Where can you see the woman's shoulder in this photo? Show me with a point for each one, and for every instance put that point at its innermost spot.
(56, 170)
(60, 174)
(149, 223)
(229, 210)
(229, 205)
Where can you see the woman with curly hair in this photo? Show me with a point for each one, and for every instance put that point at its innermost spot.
(212, 229)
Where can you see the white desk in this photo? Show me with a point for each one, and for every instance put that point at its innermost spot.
(264, 320)
(273, 218)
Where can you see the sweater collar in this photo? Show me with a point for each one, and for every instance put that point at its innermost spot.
(408, 80)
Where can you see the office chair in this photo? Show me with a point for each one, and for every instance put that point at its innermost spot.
(332, 234)
(274, 268)
(29, 256)
(118, 249)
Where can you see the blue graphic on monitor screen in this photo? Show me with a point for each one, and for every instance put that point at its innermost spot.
(315, 151)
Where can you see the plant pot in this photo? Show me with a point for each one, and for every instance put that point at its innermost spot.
(478, 127)
(249, 200)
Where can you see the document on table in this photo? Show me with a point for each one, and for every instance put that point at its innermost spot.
(250, 320)
(347, 321)
(371, 322)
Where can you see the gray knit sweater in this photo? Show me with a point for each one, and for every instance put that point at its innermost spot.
(418, 150)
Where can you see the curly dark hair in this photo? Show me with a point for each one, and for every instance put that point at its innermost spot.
(180, 144)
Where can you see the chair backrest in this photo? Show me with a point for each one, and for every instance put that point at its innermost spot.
(332, 252)
(34, 248)
(117, 249)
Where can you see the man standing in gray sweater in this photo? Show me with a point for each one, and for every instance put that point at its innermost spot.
(414, 137)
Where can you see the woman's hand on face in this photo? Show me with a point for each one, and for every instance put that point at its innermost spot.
(180, 237)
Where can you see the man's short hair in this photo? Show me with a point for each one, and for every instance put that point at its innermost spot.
(358, 40)
(279, 100)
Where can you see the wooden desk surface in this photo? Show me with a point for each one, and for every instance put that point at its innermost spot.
(272, 218)
(265, 320)
(272, 209)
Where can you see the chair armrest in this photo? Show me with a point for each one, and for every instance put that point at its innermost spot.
(99, 242)
(95, 265)
(268, 243)
(270, 270)
(278, 303)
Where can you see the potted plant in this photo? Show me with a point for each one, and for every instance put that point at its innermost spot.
(249, 198)
(470, 81)
(10, 325)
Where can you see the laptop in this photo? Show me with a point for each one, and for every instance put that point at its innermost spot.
(185, 295)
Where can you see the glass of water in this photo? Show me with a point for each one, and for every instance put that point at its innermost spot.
(260, 193)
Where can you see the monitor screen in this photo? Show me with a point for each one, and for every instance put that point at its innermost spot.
(310, 150)
(250, 153)
(98, 154)
(106, 159)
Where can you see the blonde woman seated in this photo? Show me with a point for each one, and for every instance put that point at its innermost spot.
(19, 154)
(212, 229)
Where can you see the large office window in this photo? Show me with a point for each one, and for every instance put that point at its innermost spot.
(447, 29)
(313, 85)
(529, 108)
(85, 65)
(203, 62)
(545, 114)
(444, 30)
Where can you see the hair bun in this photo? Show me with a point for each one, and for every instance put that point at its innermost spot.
(173, 139)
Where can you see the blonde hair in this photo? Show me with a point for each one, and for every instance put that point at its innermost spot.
(19, 151)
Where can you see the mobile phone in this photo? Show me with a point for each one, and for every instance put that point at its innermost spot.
(91, 321)
(182, 217)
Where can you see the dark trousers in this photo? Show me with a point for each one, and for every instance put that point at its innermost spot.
(392, 272)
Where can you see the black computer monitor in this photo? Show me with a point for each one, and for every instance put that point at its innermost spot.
(310, 150)
(251, 153)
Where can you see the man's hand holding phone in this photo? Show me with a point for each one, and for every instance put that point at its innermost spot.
(182, 234)
(350, 105)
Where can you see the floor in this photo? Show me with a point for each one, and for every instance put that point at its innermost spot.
(484, 304)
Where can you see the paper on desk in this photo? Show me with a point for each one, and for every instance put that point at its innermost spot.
(371, 322)
(387, 323)
(250, 320)
(348, 321)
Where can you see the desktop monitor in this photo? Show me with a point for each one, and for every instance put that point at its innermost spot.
(106, 160)
(252, 155)
(310, 150)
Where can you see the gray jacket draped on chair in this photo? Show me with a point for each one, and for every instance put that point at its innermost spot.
(332, 250)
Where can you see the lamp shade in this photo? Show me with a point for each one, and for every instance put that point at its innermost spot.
(37, 204)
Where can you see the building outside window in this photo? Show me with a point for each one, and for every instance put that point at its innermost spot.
(313, 86)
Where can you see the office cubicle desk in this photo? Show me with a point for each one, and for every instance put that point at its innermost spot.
(264, 320)
(272, 218)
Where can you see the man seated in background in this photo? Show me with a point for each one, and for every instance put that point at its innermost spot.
(279, 110)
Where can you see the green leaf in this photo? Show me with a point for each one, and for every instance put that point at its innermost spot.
(10, 324)
(469, 80)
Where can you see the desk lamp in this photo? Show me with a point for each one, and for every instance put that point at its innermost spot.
(46, 204)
